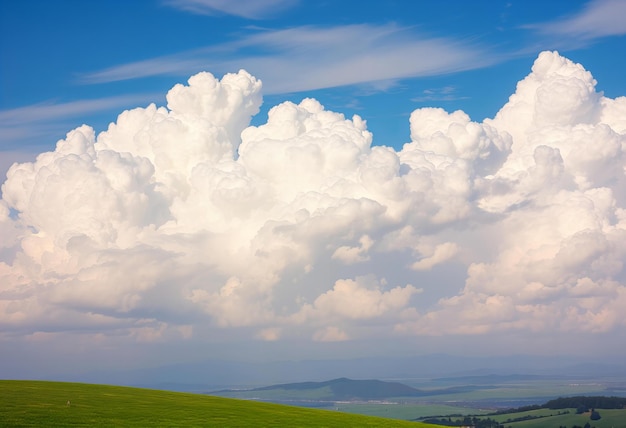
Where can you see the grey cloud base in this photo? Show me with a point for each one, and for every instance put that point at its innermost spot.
(179, 223)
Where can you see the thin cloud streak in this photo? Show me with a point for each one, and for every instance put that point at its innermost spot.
(251, 9)
(447, 93)
(51, 111)
(600, 18)
(167, 65)
(368, 53)
(34, 120)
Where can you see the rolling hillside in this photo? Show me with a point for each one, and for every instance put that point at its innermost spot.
(38, 403)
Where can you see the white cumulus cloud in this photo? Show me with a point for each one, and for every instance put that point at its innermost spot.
(183, 220)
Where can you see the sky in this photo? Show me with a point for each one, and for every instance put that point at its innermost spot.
(281, 179)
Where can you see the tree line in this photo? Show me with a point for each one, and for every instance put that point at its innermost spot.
(583, 402)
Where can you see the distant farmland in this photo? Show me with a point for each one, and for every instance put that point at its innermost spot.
(58, 404)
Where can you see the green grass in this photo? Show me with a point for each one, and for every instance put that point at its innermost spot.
(39, 404)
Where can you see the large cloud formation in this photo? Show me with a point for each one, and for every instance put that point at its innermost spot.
(182, 220)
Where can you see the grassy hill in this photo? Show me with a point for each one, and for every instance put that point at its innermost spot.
(346, 389)
(59, 404)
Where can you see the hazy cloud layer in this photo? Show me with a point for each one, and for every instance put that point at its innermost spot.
(182, 220)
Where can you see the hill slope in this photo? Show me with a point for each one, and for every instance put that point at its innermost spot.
(349, 389)
(37, 403)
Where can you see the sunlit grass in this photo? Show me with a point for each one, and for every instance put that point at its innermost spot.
(37, 403)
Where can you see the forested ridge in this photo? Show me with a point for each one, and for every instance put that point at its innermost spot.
(600, 402)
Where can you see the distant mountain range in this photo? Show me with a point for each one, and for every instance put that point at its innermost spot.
(343, 389)
(210, 375)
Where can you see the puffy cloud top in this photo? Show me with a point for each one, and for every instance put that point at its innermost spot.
(184, 219)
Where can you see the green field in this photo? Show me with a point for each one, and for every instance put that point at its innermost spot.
(610, 418)
(539, 389)
(45, 404)
(406, 411)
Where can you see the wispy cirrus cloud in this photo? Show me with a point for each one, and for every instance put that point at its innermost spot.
(599, 18)
(446, 93)
(166, 65)
(309, 58)
(250, 9)
(43, 119)
(53, 111)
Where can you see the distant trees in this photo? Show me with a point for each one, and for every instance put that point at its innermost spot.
(595, 415)
(467, 421)
(581, 409)
(585, 403)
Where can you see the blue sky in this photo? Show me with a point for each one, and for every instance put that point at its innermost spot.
(72, 62)
(482, 202)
